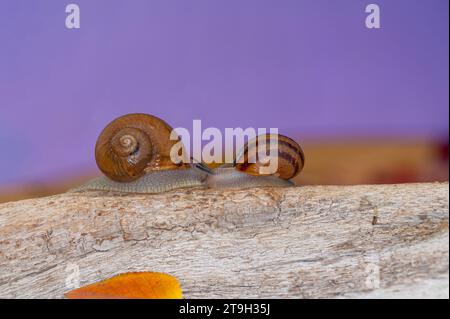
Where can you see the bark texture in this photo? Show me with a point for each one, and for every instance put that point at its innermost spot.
(313, 242)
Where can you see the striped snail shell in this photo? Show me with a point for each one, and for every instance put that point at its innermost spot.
(133, 145)
(289, 155)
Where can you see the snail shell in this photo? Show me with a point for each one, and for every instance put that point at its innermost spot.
(290, 156)
(133, 145)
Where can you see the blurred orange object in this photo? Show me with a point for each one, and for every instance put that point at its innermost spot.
(374, 161)
(136, 285)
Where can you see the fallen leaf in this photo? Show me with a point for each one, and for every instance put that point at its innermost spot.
(135, 285)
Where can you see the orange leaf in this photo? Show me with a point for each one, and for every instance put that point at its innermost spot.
(135, 285)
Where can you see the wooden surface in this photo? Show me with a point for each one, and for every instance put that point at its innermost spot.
(301, 242)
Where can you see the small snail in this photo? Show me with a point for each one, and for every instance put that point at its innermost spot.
(133, 153)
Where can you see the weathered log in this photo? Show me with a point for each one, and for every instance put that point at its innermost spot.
(315, 241)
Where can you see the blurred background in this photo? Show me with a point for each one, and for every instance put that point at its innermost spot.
(367, 105)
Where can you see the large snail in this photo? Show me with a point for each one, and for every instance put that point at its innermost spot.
(133, 152)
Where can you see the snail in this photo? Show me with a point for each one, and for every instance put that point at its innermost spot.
(133, 152)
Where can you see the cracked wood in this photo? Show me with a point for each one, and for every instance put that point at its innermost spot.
(314, 241)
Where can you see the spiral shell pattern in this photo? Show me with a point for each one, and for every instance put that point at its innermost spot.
(133, 145)
(289, 154)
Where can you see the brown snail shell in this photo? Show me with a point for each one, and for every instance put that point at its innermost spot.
(133, 145)
(290, 155)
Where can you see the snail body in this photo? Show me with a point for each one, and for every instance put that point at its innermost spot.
(154, 182)
(133, 152)
(230, 177)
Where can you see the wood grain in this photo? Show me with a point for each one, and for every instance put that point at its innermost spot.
(300, 242)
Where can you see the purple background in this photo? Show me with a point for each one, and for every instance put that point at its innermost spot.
(310, 68)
